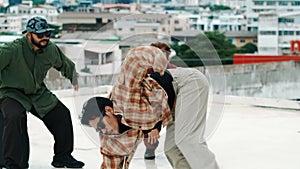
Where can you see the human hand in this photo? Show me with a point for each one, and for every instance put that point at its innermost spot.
(76, 87)
(153, 136)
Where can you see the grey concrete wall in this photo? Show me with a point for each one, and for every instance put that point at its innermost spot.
(268, 80)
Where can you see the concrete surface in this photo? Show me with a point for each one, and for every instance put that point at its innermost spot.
(254, 133)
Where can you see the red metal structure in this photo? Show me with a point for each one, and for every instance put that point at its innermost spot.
(293, 46)
(253, 58)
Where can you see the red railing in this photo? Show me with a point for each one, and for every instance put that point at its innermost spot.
(247, 59)
(253, 58)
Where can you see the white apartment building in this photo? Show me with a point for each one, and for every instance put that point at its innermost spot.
(25, 12)
(255, 7)
(103, 58)
(234, 4)
(10, 23)
(124, 28)
(276, 31)
(225, 20)
(268, 34)
(100, 57)
(149, 23)
(49, 12)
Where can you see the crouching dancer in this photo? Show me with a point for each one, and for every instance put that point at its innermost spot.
(118, 141)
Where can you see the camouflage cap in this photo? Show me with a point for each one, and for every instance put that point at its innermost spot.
(37, 25)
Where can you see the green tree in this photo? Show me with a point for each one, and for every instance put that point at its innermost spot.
(185, 56)
(86, 69)
(248, 48)
(219, 7)
(224, 48)
(38, 2)
(210, 48)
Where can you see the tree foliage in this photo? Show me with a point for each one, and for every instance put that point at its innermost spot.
(248, 48)
(210, 48)
(38, 2)
(219, 7)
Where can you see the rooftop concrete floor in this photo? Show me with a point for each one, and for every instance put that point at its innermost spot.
(253, 133)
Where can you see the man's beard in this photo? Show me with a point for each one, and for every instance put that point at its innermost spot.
(38, 44)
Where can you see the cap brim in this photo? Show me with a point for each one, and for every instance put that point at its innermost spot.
(44, 30)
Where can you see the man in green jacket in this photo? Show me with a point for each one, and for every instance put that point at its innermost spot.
(24, 64)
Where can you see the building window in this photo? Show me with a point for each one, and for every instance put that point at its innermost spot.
(254, 41)
(258, 3)
(178, 29)
(119, 29)
(271, 3)
(267, 32)
(107, 57)
(92, 60)
(267, 48)
(290, 33)
(131, 29)
(295, 3)
(242, 41)
(297, 32)
(176, 22)
(283, 3)
(286, 20)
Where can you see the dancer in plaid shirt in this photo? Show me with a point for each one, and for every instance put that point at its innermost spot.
(136, 96)
(118, 141)
(138, 108)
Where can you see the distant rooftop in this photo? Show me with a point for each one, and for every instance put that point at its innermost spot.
(241, 34)
(190, 33)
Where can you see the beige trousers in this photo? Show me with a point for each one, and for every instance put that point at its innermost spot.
(185, 145)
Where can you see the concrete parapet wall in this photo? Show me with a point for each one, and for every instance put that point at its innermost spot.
(268, 80)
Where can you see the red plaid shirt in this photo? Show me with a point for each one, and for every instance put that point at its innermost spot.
(137, 97)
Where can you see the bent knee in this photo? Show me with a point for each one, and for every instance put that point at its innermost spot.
(12, 109)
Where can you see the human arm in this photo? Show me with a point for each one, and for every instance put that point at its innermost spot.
(5, 57)
(66, 67)
(152, 135)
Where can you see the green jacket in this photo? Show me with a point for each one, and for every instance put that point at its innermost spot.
(22, 72)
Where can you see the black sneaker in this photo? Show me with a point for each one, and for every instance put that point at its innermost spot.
(149, 155)
(68, 162)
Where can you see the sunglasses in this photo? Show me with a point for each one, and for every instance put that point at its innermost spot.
(41, 35)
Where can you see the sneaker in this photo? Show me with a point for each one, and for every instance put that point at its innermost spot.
(67, 161)
(149, 155)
